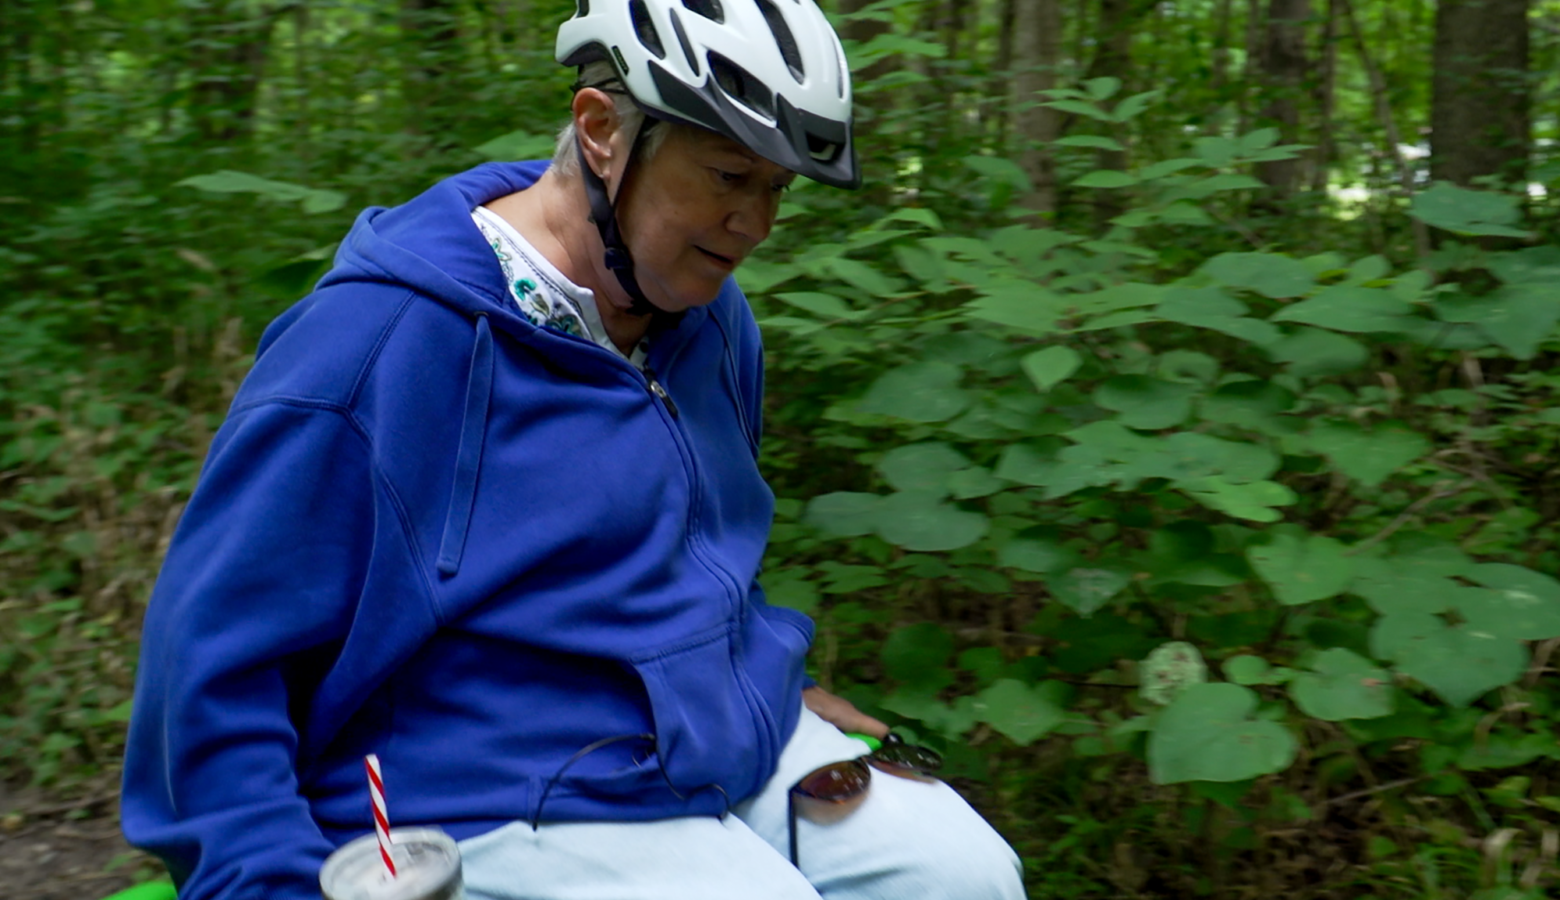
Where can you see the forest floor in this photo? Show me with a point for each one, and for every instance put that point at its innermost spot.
(54, 850)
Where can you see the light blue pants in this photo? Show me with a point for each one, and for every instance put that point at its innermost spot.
(905, 840)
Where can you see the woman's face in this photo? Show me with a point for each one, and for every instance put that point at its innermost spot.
(694, 212)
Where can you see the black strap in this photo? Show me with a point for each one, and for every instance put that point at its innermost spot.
(603, 212)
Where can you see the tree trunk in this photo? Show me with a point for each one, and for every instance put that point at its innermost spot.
(1283, 75)
(861, 31)
(1378, 90)
(1252, 64)
(1113, 59)
(1326, 100)
(1037, 28)
(1222, 16)
(227, 54)
(1004, 71)
(431, 76)
(1480, 111)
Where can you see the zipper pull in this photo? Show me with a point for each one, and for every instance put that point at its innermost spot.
(659, 391)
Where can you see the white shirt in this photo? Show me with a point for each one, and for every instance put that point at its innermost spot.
(543, 295)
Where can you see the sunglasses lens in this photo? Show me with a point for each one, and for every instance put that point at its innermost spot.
(836, 782)
(896, 754)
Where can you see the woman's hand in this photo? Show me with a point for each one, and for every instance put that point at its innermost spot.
(841, 713)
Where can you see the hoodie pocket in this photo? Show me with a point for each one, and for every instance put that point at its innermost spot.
(712, 729)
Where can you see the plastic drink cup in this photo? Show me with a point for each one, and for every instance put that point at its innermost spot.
(427, 864)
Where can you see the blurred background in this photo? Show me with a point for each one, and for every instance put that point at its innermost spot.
(1165, 431)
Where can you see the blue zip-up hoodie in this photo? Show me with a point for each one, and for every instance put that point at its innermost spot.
(433, 531)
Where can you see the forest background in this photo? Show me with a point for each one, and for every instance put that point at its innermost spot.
(1166, 430)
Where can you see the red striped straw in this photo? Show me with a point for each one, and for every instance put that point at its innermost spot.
(376, 793)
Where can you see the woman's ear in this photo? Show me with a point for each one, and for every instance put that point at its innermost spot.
(595, 124)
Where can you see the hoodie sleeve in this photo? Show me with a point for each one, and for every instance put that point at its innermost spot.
(253, 600)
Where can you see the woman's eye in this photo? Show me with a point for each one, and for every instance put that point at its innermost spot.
(728, 177)
(781, 188)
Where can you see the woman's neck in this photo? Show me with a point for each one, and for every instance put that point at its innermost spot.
(554, 217)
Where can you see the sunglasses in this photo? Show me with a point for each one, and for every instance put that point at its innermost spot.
(839, 783)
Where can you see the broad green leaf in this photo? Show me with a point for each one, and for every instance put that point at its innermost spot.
(1216, 310)
(227, 181)
(1366, 456)
(1260, 139)
(949, 720)
(1405, 584)
(840, 578)
(1102, 88)
(863, 277)
(1302, 569)
(1144, 402)
(921, 467)
(1079, 107)
(517, 145)
(1169, 670)
(1460, 665)
(1465, 211)
(1518, 317)
(1002, 170)
(1167, 167)
(1217, 152)
(1022, 713)
(826, 306)
(1248, 670)
(1345, 308)
(1207, 734)
(1033, 555)
(1085, 590)
(1106, 178)
(1049, 367)
(1312, 352)
(1094, 141)
(1533, 265)
(760, 276)
(918, 521)
(1519, 603)
(1018, 304)
(1342, 685)
(1227, 181)
(917, 654)
(1254, 501)
(844, 513)
(976, 481)
(917, 392)
(1134, 105)
(1268, 274)
(791, 589)
(1024, 464)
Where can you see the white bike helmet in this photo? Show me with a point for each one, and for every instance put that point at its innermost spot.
(769, 74)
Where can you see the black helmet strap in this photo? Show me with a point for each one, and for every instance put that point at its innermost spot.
(603, 212)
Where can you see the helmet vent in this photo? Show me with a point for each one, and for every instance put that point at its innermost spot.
(742, 87)
(682, 38)
(783, 39)
(709, 9)
(581, 8)
(822, 149)
(644, 28)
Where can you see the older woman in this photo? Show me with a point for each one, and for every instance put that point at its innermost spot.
(488, 506)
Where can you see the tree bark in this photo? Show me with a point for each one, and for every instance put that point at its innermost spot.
(1220, 61)
(1037, 29)
(431, 77)
(1252, 65)
(1283, 76)
(1480, 110)
(228, 55)
(1326, 100)
(1378, 90)
(1113, 59)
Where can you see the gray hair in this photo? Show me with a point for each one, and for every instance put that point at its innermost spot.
(602, 76)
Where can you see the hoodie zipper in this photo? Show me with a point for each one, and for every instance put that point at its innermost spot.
(658, 391)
